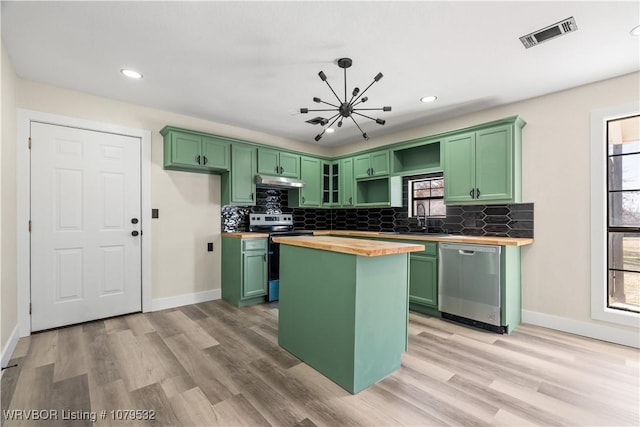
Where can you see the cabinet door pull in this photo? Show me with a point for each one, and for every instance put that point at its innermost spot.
(303, 199)
(350, 200)
(205, 159)
(198, 159)
(251, 196)
(471, 194)
(477, 193)
(372, 172)
(264, 257)
(281, 170)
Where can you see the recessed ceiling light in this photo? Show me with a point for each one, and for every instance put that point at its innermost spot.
(330, 130)
(430, 98)
(635, 31)
(132, 74)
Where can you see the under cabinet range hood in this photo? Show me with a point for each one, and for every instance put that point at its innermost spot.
(278, 181)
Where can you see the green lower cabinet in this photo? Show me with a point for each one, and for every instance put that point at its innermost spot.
(244, 271)
(254, 274)
(423, 281)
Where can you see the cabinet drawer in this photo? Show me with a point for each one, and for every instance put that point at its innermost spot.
(254, 244)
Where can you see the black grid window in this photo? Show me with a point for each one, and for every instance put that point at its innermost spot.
(426, 197)
(623, 213)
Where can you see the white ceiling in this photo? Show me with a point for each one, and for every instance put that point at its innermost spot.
(254, 64)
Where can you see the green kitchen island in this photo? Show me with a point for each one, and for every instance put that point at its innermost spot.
(343, 306)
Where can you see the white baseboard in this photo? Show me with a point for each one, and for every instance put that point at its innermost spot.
(185, 299)
(7, 351)
(586, 329)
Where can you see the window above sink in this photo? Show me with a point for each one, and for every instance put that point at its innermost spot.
(426, 196)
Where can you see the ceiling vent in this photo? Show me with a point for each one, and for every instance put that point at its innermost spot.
(552, 31)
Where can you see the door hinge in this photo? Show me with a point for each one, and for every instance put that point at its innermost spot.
(30, 308)
(29, 226)
(29, 143)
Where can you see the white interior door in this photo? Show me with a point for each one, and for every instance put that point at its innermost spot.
(85, 208)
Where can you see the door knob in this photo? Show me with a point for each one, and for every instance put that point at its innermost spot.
(134, 220)
(135, 233)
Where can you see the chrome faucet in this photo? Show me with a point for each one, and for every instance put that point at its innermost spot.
(422, 224)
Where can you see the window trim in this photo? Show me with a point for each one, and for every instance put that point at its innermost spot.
(410, 197)
(599, 268)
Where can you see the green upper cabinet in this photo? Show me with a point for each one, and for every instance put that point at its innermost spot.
(459, 168)
(215, 153)
(238, 185)
(330, 183)
(371, 164)
(194, 152)
(282, 163)
(484, 166)
(346, 182)
(311, 194)
(494, 164)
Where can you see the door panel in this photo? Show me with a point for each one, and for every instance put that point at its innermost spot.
(268, 161)
(380, 163)
(243, 166)
(311, 193)
(494, 164)
(290, 164)
(346, 182)
(423, 281)
(216, 153)
(85, 189)
(185, 149)
(459, 168)
(361, 166)
(255, 274)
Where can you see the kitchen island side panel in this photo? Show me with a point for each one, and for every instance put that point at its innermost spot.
(344, 315)
(316, 310)
(382, 315)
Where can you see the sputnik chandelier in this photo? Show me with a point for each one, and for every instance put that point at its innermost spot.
(345, 109)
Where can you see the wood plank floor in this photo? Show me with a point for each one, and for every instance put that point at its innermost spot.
(214, 364)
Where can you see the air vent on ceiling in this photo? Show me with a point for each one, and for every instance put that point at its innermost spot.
(552, 31)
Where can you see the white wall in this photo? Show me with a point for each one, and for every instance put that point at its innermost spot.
(188, 203)
(556, 178)
(8, 290)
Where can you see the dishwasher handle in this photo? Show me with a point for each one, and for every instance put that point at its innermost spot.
(466, 252)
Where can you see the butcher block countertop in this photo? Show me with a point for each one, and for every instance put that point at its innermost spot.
(245, 235)
(450, 238)
(346, 245)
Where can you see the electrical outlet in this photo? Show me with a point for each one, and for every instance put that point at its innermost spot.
(210, 246)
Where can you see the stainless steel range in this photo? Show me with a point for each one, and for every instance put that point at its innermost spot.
(274, 225)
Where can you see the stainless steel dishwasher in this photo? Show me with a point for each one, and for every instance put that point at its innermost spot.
(469, 284)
